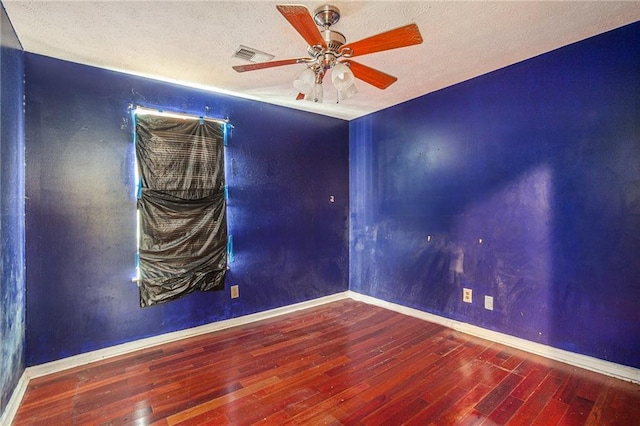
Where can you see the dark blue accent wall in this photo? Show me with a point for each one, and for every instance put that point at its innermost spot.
(12, 285)
(290, 242)
(522, 184)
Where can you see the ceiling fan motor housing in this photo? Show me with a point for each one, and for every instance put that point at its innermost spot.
(334, 39)
(328, 55)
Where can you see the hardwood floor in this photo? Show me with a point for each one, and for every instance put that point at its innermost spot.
(342, 363)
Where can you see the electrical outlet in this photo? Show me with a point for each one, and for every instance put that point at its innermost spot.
(488, 302)
(235, 293)
(467, 295)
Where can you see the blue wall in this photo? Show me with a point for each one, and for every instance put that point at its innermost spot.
(540, 161)
(12, 287)
(523, 184)
(290, 243)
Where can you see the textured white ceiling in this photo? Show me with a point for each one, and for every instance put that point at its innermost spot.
(193, 42)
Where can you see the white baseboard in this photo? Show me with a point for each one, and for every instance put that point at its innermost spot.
(77, 360)
(589, 363)
(100, 354)
(618, 371)
(14, 402)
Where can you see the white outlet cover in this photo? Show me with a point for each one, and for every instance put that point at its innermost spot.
(488, 302)
(467, 295)
(235, 293)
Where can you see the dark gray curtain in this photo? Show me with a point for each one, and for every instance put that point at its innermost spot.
(183, 223)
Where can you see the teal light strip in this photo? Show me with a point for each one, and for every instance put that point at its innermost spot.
(230, 255)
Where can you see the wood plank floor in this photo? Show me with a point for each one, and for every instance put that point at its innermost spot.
(342, 363)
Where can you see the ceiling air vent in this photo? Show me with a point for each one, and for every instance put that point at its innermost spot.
(252, 55)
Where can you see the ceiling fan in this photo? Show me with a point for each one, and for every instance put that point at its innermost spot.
(328, 50)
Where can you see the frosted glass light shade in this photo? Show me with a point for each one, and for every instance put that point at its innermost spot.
(341, 76)
(345, 93)
(316, 94)
(305, 81)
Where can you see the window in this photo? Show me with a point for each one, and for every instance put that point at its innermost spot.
(182, 222)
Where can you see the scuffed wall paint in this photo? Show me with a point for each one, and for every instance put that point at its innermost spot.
(290, 242)
(12, 286)
(522, 184)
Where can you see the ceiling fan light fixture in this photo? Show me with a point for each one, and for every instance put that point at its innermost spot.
(341, 76)
(317, 94)
(305, 81)
(346, 93)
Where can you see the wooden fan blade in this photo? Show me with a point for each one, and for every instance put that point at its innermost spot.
(400, 37)
(370, 75)
(263, 65)
(299, 18)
